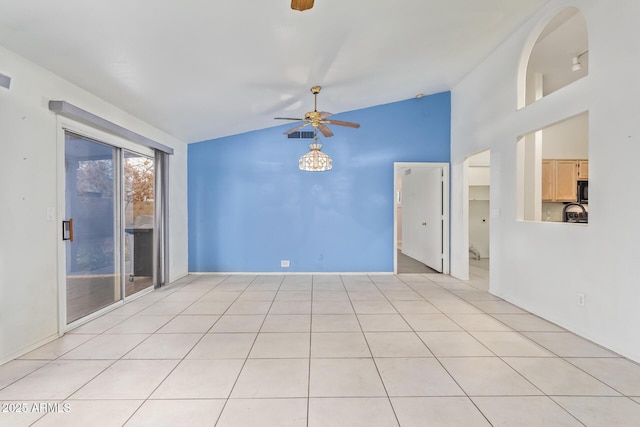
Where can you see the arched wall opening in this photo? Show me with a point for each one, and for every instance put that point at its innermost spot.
(556, 55)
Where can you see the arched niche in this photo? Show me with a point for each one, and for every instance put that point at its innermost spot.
(556, 55)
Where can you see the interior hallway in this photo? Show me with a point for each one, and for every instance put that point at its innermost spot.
(408, 265)
(322, 350)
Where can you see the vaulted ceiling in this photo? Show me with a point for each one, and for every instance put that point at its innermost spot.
(204, 69)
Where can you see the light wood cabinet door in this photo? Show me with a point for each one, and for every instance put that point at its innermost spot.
(560, 179)
(583, 169)
(566, 180)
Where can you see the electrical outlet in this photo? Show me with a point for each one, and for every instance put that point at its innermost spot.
(581, 300)
(285, 263)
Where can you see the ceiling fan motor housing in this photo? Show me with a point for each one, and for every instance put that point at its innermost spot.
(313, 116)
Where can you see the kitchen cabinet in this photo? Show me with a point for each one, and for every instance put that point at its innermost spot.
(566, 181)
(560, 179)
(583, 170)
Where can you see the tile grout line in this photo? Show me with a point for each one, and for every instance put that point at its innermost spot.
(244, 363)
(186, 354)
(373, 359)
(113, 361)
(444, 367)
(388, 287)
(309, 363)
(438, 360)
(502, 359)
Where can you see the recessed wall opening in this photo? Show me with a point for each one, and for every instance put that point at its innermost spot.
(553, 172)
(558, 57)
(479, 174)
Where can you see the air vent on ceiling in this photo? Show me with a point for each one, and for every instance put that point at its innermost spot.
(301, 134)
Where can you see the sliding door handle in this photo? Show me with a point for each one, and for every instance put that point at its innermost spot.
(67, 230)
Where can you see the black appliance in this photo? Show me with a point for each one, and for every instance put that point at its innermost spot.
(575, 212)
(583, 192)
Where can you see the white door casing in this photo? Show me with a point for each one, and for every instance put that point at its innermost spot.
(425, 211)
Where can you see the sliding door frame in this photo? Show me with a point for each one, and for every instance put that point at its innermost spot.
(65, 125)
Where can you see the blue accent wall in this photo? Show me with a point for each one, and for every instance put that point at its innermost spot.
(250, 206)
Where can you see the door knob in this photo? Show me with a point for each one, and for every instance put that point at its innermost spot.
(424, 224)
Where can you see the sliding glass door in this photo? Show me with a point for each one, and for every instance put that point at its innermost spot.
(139, 208)
(91, 230)
(109, 224)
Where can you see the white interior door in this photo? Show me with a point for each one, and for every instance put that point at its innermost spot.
(422, 215)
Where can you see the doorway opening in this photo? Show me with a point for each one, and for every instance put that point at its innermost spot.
(421, 218)
(479, 217)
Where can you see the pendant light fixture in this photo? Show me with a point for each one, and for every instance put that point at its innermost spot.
(315, 160)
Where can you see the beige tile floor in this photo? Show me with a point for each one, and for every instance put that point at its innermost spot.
(320, 351)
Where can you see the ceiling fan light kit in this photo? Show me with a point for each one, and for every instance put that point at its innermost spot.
(315, 160)
(301, 5)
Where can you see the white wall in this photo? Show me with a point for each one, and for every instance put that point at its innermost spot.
(479, 175)
(479, 210)
(479, 225)
(543, 266)
(553, 53)
(568, 139)
(28, 172)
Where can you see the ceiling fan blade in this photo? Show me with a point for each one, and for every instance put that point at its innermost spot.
(285, 118)
(290, 131)
(301, 4)
(341, 123)
(325, 130)
(325, 114)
